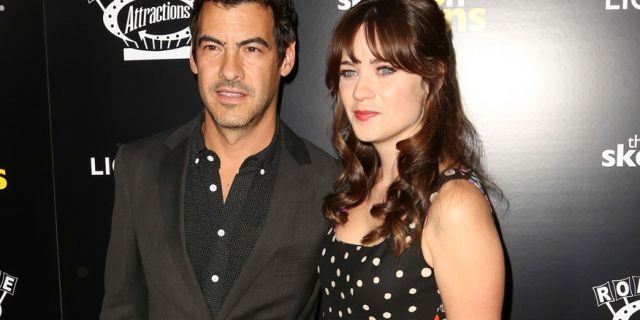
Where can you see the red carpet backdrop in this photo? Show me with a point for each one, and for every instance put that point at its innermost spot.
(552, 86)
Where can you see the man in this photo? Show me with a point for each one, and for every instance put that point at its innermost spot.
(220, 218)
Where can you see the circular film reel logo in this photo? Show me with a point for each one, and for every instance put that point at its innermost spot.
(618, 291)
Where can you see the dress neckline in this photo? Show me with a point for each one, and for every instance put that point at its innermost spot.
(335, 237)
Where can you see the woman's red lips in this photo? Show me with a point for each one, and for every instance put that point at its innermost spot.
(364, 115)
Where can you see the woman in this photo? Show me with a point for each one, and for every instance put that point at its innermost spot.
(413, 230)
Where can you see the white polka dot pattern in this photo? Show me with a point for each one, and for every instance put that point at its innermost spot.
(370, 282)
(373, 283)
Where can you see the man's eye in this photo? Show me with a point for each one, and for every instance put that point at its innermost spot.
(347, 73)
(253, 50)
(210, 47)
(386, 70)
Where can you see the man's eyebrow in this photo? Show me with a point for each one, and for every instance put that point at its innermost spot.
(206, 38)
(257, 40)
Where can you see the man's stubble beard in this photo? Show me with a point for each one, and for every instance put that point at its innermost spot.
(255, 112)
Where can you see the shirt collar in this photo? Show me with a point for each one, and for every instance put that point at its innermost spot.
(263, 159)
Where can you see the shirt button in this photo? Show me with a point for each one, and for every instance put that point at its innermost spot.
(213, 187)
(221, 233)
(262, 172)
(210, 158)
(215, 278)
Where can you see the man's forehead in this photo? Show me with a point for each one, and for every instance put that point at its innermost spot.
(241, 20)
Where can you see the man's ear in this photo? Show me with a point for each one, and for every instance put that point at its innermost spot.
(192, 63)
(289, 59)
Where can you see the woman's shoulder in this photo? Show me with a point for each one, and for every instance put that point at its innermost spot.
(459, 222)
(460, 198)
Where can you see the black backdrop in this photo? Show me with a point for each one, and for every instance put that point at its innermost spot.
(28, 242)
(552, 86)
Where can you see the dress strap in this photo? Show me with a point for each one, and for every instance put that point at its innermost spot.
(453, 174)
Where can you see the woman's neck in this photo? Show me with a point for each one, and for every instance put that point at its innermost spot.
(388, 171)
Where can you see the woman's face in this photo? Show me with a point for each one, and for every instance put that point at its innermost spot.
(384, 105)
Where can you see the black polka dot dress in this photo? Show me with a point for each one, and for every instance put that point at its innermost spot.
(360, 282)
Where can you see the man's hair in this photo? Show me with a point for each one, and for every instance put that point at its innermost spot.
(284, 17)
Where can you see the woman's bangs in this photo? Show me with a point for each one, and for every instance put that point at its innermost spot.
(389, 41)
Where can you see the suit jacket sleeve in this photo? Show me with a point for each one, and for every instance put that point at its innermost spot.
(311, 308)
(125, 289)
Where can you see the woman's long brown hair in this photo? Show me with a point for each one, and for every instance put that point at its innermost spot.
(411, 35)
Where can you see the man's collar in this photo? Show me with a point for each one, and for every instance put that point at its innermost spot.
(262, 159)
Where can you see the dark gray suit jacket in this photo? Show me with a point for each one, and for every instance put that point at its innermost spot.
(148, 272)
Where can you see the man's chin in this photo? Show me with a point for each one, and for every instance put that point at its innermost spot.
(232, 122)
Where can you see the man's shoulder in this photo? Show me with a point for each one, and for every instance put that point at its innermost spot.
(305, 151)
(322, 167)
(157, 143)
(316, 153)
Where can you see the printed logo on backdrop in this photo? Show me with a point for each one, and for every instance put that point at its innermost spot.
(149, 29)
(622, 297)
(623, 155)
(3, 179)
(8, 285)
(622, 4)
(101, 166)
(462, 15)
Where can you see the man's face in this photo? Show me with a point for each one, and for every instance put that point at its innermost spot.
(236, 60)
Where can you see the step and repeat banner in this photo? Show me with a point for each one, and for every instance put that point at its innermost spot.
(552, 86)
(29, 282)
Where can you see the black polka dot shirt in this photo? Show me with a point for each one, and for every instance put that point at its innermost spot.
(220, 235)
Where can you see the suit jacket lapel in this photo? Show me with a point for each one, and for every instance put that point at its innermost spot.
(287, 194)
(172, 184)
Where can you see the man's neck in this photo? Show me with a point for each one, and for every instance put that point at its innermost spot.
(234, 145)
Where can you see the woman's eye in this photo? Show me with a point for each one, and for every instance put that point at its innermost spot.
(347, 73)
(385, 70)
